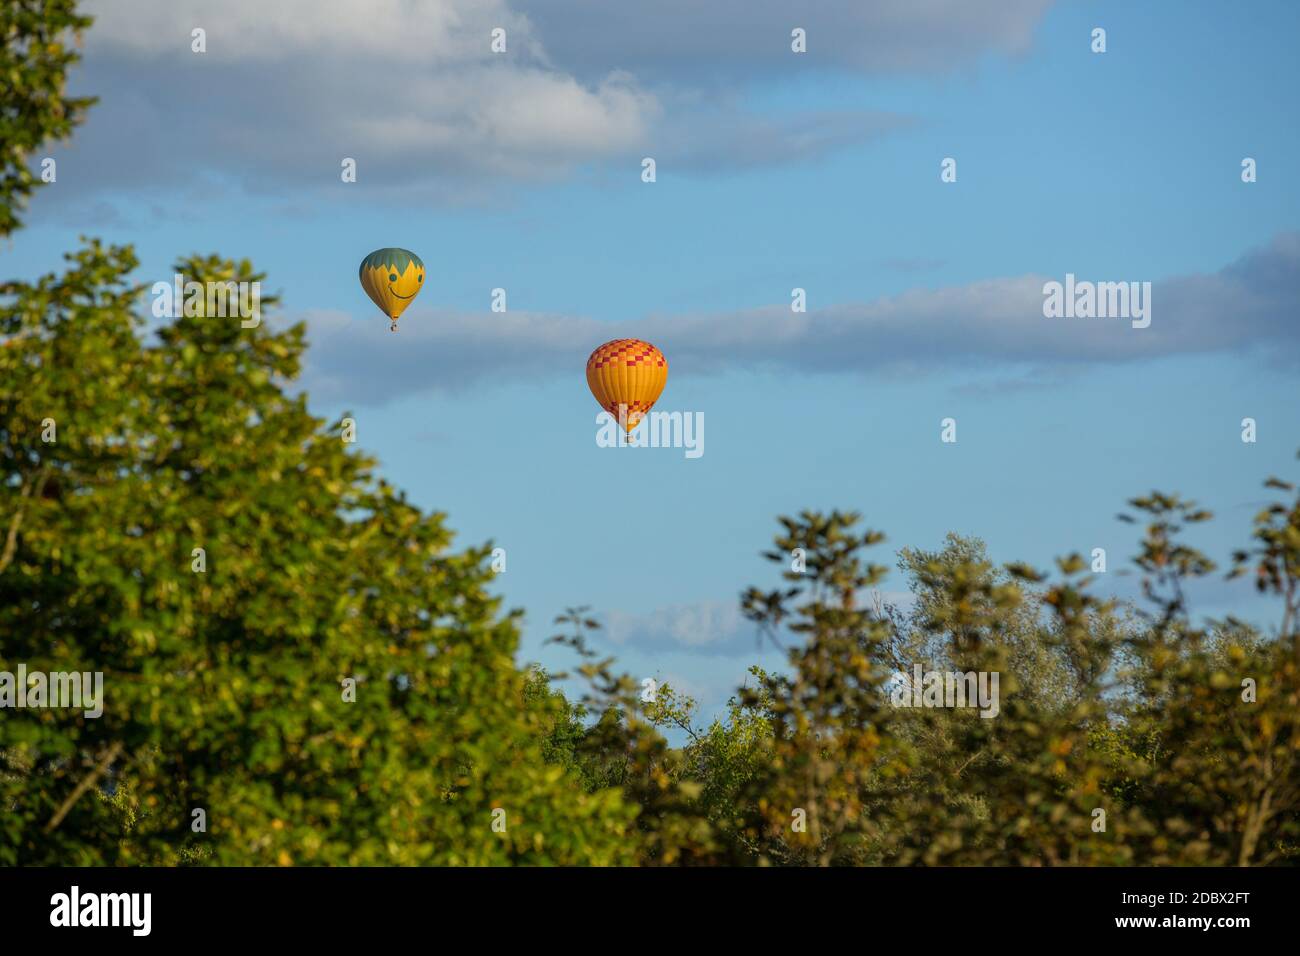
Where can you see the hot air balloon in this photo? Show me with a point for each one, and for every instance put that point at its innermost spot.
(392, 278)
(630, 373)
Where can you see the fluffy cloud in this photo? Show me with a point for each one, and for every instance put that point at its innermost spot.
(671, 39)
(1248, 305)
(706, 627)
(412, 90)
(711, 627)
(287, 89)
(395, 31)
(665, 37)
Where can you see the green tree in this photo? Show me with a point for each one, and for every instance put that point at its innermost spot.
(1220, 782)
(1122, 736)
(34, 108)
(832, 745)
(622, 748)
(225, 669)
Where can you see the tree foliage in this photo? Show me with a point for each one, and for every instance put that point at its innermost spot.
(34, 108)
(224, 673)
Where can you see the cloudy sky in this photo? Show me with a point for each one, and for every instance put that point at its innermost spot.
(522, 170)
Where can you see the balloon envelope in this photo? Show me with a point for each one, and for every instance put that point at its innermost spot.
(392, 278)
(630, 373)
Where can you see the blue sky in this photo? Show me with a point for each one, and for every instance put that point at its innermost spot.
(775, 170)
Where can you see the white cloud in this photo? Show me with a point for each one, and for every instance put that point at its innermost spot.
(412, 91)
(286, 89)
(431, 32)
(671, 39)
(706, 627)
(992, 324)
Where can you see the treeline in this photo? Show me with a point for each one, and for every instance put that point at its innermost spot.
(1120, 736)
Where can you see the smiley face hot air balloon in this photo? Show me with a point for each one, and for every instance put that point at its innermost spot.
(628, 373)
(392, 278)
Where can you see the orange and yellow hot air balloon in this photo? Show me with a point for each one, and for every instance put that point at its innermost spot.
(392, 277)
(628, 373)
